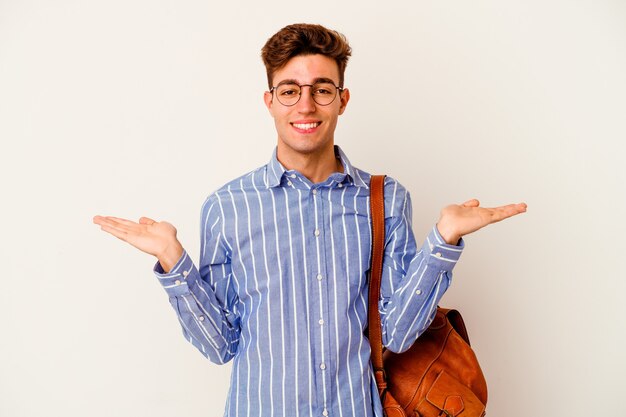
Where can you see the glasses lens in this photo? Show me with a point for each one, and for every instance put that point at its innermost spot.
(324, 93)
(288, 94)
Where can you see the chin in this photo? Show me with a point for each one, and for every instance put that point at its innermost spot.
(305, 145)
(308, 148)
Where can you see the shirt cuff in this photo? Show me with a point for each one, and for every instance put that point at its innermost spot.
(177, 281)
(440, 253)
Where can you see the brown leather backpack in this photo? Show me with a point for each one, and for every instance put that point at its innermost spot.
(439, 375)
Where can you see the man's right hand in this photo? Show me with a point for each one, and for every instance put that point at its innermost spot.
(155, 238)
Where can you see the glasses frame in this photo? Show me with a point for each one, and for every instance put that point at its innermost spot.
(337, 92)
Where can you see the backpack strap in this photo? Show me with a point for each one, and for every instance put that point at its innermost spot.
(377, 205)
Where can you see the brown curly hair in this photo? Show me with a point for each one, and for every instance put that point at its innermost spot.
(304, 39)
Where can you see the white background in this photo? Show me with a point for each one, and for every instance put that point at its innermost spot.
(140, 107)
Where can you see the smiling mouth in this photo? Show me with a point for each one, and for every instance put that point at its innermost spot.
(306, 126)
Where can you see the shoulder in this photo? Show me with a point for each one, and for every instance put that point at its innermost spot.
(235, 189)
(397, 198)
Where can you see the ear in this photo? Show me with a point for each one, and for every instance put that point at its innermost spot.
(268, 99)
(344, 97)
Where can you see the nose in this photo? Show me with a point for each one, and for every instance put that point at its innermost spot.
(306, 104)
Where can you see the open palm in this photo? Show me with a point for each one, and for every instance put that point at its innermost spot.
(152, 237)
(458, 220)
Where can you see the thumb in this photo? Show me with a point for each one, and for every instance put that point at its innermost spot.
(471, 203)
(146, 220)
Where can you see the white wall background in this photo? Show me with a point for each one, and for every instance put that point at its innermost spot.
(139, 107)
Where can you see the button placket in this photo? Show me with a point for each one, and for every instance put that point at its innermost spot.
(323, 349)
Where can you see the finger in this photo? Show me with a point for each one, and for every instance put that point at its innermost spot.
(121, 225)
(471, 203)
(516, 208)
(504, 212)
(120, 234)
(146, 220)
(126, 225)
(125, 222)
(104, 220)
(109, 220)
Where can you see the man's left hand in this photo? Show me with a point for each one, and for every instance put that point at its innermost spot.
(457, 221)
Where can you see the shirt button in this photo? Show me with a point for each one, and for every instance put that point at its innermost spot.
(317, 232)
(321, 321)
(314, 192)
(340, 185)
(185, 273)
(177, 282)
(438, 254)
(319, 277)
(322, 366)
(293, 175)
(418, 292)
(201, 318)
(289, 183)
(325, 412)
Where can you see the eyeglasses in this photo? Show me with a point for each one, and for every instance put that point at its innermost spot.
(323, 93)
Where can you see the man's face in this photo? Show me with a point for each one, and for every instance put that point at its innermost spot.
(306, 128)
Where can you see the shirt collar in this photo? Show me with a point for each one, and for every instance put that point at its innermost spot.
(275, 170)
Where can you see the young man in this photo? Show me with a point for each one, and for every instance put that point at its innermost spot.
(281, 287)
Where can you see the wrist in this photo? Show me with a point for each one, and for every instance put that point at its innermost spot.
(170, 256)
(449, 236)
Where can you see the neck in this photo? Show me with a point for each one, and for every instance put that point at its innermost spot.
(317, 167)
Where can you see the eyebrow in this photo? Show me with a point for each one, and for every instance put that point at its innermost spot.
(315, 81)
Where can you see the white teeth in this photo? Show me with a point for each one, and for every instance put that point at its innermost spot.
(306, 126)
